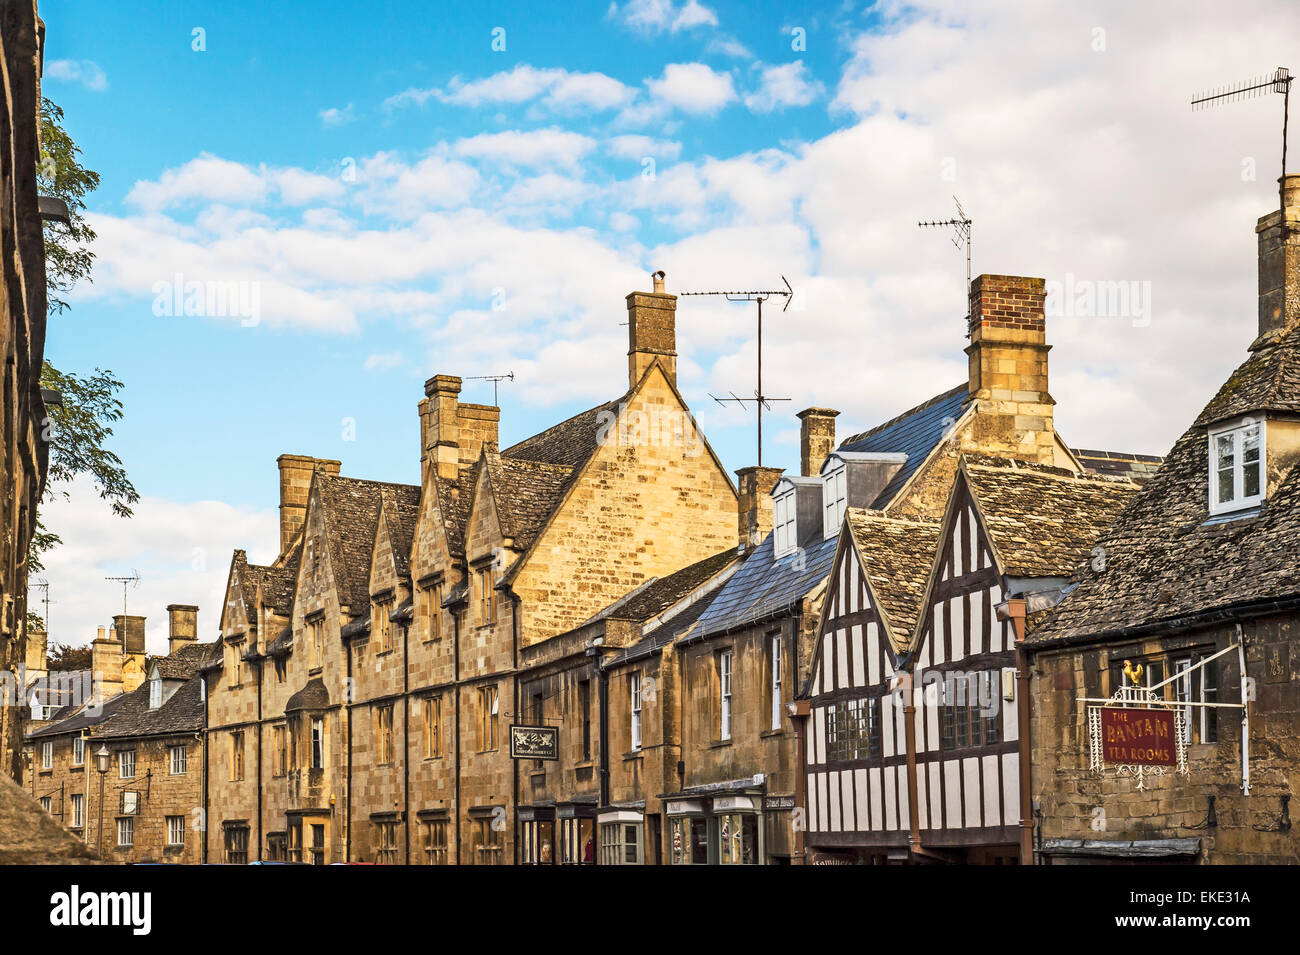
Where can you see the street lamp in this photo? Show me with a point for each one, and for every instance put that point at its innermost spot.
(102, 759)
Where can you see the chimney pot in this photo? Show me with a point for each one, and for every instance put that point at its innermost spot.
(651, 332)
(182, 626)
(816, 439)
(1279, 265)
(296, 471)
(754, 515)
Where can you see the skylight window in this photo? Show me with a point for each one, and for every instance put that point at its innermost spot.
(1236, 466)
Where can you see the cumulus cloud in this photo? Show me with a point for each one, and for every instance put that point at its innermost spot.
(556, 88)
(334, 116)
(787, 84)
(86, 72)
(693, 88)
(540, 147)
(660, 16)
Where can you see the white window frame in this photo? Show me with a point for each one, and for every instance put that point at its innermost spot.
(77, 805)
(47, 803)
(78, 751)
(776, 665)
(835, 498)
(126, 827)
(317, 743)
(125, 762)
(785, 526)
(155, 694)
(47, 754)
(724, 694)
(173, 762)
(175, 830)
(634, 691)
(1237, 430)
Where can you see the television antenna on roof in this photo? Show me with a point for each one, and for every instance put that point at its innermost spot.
(44, 586)
(962, 226)
(760, 400)
(132, 581)
(1279, 81)
(496, 380)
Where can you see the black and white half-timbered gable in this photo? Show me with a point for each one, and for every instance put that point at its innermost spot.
(856, 752)
(1012, 531)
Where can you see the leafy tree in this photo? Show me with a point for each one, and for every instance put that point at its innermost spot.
(79, 430)
(65, 657)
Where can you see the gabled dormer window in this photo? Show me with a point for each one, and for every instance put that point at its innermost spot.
(1236, 465)
(835, 500)
(155, 693)
(785, 526)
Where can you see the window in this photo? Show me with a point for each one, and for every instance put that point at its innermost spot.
(386, 845)
(237, 755)
(688, 840)
(584, 714)
(78, 751)
(969, 711)
(577, 842)
(176, 763)
(432, 727)
(318, 854)
(853, 729)
(236, 666)
(431, 599)
(280, 751)
(47, 754)
(634, 689)
(1200, 685)
(785, 527)
(724, 695)
(487, 582)
(774, 667)
(316, 642)
(737, 838)
(277, 847)
(130, 804)
(126, 764)
(237, 845)
(47, 803)
(435, 842)
(620, 843)
(155, 694)
(78, 810)
(487, 712)
(488, 844)
(1236, 466)
(126, 831)
(384, 733)
(835, 498)
(175, 830)
(384, 625)
(318, 743)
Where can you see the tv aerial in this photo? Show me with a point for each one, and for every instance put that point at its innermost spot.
(1279, 81)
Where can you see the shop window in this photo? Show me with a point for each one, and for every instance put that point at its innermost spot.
(737, 838)
(620, 843)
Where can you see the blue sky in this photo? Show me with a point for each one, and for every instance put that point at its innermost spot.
(402, 199)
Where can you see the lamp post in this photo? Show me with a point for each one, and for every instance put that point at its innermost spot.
(102, 759)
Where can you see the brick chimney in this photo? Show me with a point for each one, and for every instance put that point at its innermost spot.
(1279, 265)
(1008, 369)
(754, 517)
(295, 484)
(106, 666)
(651, 331)
(453, 433)
(130, 631)
(816, 439)
(182, 626)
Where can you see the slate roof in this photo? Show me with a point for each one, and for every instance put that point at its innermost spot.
(1269, 380)
(915, 433)
(896, 556)
(1118, 464)
(402, 513)
(681, 626)
(73, 719)
(657, 595)
(526, 492)
(350, 515)
(1042, 521)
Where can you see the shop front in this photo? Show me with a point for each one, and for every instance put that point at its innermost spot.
(717, 830)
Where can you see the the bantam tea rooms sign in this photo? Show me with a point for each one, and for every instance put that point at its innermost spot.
(1138, 736)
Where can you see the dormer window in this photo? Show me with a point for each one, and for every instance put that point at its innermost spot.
(785, 526)
(1236, 466)
(835, 501)
(155, 693)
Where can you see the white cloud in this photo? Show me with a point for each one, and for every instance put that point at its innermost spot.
(384, 361)
(660, 16)
(181, 550)
(787, 84)
(86, 72)
(693, 88)
(638, 147)
(556, 88)
(534, 148)
(206, 178)
(334, 116)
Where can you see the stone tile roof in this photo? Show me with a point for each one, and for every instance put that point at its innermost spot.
(403, 512)
(682, 625)
(526, 493)
(1164, 558)
(1119, 464)
(570, 443)
(1042, 521)
(313, 696)
(182, 664)
(655, 596)
(1269, 380)
(896, 556)
(915, 432)
(280, 582)
(30, 836)
(282, 643)
(74, 719)
(454, 499)
(350, 516)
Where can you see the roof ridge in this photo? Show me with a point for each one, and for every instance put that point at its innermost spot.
(855, 438)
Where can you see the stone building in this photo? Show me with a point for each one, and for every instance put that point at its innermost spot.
(1191, 606)
(147, 806)
(381, 682)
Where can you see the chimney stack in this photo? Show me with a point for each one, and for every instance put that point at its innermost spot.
(1279, 265)
(130, 630)
(754, 517)
(182, 626)
(651, 331)
(37, 650)
(1008, 368)
(295, 485)
(453, 432)
(816, 439)
(106, 666)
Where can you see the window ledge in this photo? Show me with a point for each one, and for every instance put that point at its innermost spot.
(719, 743)
(769, 734)
(634, 754)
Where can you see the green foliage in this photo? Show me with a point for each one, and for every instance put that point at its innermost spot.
(67, 254)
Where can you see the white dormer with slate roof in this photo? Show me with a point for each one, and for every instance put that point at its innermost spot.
(854, 479)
